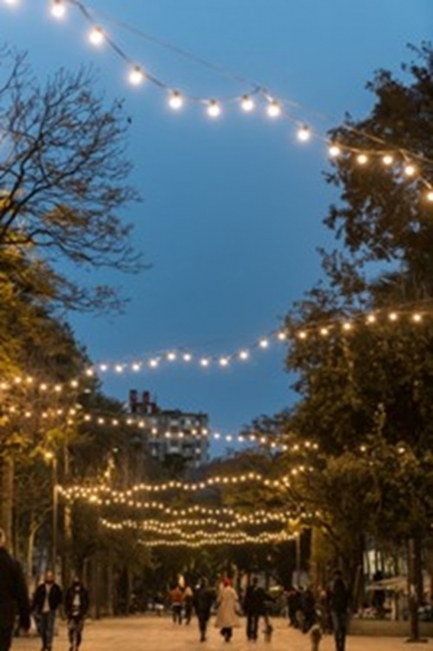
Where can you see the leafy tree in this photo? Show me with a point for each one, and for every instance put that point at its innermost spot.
(63, 177)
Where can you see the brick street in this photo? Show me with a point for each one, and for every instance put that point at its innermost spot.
(151, 633)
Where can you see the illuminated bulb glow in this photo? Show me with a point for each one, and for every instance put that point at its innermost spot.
(264, 343)
(417, 318)
(224, 361)
(410, 170)
(302, 334)
(388, 160)
(324, 332)
(187, 357)
(171, 357)
(96, 36)
(347, 326)
(274, 109)
(136, 76)
(430, 196)
(393, 316)
(244, 355)
(204, 362)
(213, 109)
(58, 9)
(362, 159)
(304, 134)
(176, 100)
(371, 318)
(334, 151)
(247, 104)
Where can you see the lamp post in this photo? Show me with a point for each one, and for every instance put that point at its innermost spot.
(52, 459)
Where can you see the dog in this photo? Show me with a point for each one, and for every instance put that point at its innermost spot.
(315, 637)
(267, 631)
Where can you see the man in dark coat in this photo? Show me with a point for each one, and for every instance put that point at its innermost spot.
(203, 599)
(76, 607)
(46, 600)
(13, 596)
(254, 607)
(339, 601)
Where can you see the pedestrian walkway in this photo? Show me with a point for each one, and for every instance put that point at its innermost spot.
(151, 633)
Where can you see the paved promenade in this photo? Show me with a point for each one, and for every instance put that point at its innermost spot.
(152, 633)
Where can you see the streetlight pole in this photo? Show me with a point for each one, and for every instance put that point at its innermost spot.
(51, 457)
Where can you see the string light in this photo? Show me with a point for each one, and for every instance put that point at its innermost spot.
(136, 76)
(176, 101)
(274, 109)
(213, 109)
(58, 8)
(96, 493)
(96, 36)
(304, 134)
(273, 106)
(334, 151)
(247, 104)
(410, 170)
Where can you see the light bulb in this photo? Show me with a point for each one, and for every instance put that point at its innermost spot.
(247, 104)
(244, 355)
(136, 76)
(264, 343)
(96, 36)
(204, 362)
(274, 109)
(410, 170)
(393, 316)
(304, 134)
(430, 196)
(58, 8)
(213, 109)
(176, 100)
(187, 357)
(371, 318)
(417, 318)
(302, 334)
(388, 160)
(362, 159)
(224, 361)
(334, 151)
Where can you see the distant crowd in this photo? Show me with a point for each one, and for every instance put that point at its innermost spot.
(304, 613)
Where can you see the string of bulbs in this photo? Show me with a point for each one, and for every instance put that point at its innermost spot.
(407, 164)
(415, 314)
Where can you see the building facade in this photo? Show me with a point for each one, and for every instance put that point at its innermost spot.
(171, 433)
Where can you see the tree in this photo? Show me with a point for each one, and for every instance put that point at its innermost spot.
(63, 177)
(383, 215)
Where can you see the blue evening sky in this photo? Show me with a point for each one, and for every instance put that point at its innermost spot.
(232, 207)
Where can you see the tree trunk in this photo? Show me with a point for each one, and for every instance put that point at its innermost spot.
(415, 585)
(7, 498)
(30, 549)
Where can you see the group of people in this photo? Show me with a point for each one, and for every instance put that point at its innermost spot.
(329, 615)
(47, 599)
(228, 607)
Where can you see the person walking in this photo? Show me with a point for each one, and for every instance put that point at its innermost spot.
(76, 607)
(254, 607)
(46, 600)
(176, 598)
(227, 610)
(203, 600)
(338, 599)
(188, 598)
(13, 596)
